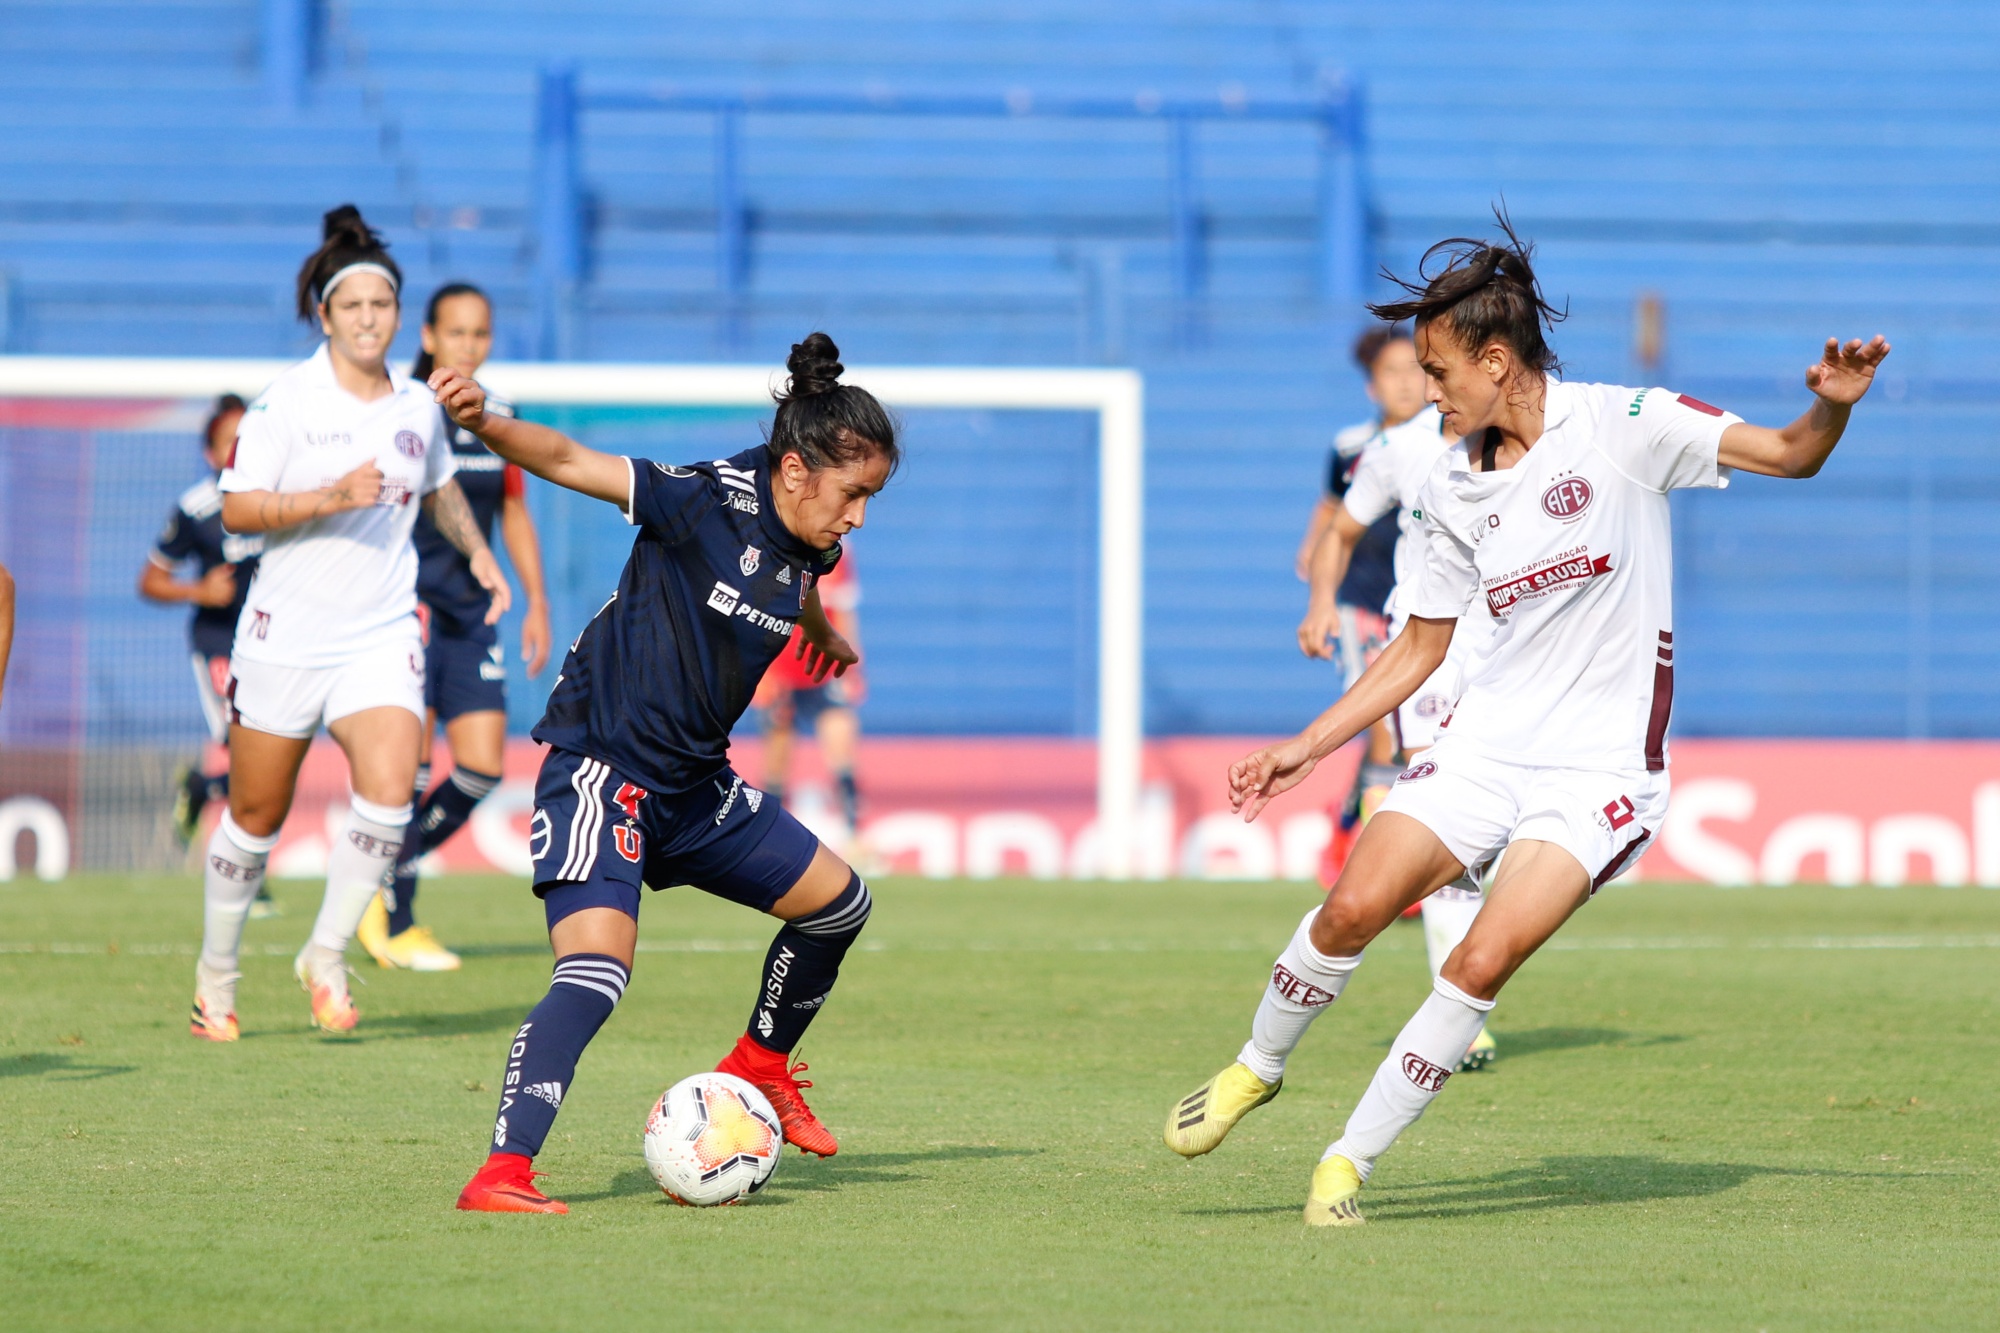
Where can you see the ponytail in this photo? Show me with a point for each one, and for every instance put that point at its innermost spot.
(1485, 293)
(347, 239)
(827, 423)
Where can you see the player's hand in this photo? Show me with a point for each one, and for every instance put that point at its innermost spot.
(1263, 774)
(359, 489)
(461, 398)
(1319, 630)
(1843, 373)
(535, 637)
(835, 654)
(216, 588)
(487, 570)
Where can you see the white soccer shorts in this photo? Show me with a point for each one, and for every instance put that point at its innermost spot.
(1477, 805)
(293, 701)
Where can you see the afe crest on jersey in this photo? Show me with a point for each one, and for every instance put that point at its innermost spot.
(1567, 499)
(409, 444)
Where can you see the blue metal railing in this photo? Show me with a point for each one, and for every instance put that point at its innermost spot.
(562, 231)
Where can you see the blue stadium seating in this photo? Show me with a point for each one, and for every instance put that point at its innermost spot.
(1775, 170)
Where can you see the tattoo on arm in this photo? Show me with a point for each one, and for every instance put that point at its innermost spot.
(453, 517)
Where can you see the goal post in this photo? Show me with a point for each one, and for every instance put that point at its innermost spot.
(1116, 396)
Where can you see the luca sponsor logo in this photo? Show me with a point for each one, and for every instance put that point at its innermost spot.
(1567, 499)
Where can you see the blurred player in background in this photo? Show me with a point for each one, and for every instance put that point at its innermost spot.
(637, 788)
(1352, 623)
(465, 668)
(6, 623)
(224, 564)
(332, 465)
(788, 698)
(1389, 483)
(1550, 516)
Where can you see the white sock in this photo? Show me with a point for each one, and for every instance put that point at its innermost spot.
(1426, 1051)
(1448, 915)
(229, 880)
(365, 850)
(1304, 982)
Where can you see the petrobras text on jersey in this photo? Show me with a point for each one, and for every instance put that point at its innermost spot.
(729, 602)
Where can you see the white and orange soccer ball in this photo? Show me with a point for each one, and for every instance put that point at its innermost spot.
(712, 1139)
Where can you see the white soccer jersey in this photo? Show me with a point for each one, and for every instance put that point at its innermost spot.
(333, 589)
(1388, 480)
(1569, 555)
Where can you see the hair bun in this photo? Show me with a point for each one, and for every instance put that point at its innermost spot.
(345, 226)
(815, 366)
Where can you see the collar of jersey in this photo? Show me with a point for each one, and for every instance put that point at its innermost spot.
(321, 362)
(1558, 406)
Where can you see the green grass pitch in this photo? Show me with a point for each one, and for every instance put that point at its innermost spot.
(1713, 1109)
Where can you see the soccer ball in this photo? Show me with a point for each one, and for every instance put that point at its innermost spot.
(712, 1139)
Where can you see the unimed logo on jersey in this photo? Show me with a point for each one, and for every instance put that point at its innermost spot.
(1566, 499)
(409, 444)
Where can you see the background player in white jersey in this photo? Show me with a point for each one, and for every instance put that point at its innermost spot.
(1387, 483)
(1355, 627)
(331, 465)
(1549, 518)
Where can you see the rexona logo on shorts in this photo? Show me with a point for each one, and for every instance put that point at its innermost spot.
(1567, 499)
(1416, 772)
(409, 444)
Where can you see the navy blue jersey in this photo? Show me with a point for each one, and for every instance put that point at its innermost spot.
(457, 603)
(194, 532)
(1371, 570)
(707, 599)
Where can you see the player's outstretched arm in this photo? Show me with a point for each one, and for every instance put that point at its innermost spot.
(1404, 665)
(1321, 627)
(549, 454)
(1838, 380)
(524, 548)
(823, 647)
(268, 511)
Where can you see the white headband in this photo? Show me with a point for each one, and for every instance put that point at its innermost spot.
(365, 266)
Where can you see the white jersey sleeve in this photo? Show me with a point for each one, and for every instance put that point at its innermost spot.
(1663, 440)
(1372, 493)
(263, 443)
(1447, 582)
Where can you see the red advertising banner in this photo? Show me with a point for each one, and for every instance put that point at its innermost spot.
(1744, 812)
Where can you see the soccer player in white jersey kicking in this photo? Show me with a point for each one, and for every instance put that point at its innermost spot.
(1549, 518)
(1388, 481)
(332, 465)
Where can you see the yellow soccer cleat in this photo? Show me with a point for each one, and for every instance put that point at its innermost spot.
(1336, 1189)
(214, 1016)
(373, 932)
(1480, 1054)
(324, 979)
(418, 950)
(1202, 1119)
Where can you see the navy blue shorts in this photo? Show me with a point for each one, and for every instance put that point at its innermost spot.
(463, 676)
(597, 836)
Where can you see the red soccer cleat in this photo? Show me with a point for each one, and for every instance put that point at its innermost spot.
(766, 1071)
(506, 1184)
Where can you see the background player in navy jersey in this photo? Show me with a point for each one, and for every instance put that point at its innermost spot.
(465, 670)
(1354, 625)
(223, 565)
(637, 787)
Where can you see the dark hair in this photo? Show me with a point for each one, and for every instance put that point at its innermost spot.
(1484, 293)
(224, 405)
(421, 368)
(348, 239)
(1373, 341)
(827, 423)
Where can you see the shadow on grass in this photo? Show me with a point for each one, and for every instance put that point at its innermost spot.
(524, 949)
(58, 1068)
(803, 1174)
(469, 1023)
(1559, 1182)
(1539, 1041)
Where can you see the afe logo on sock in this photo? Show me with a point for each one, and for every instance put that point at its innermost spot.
(1297, 991)
(1423, 1073)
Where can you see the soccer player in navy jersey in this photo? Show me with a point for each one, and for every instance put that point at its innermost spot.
(637, 788)
(465, 669)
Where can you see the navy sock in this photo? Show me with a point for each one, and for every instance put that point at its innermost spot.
(210, 788)
(444, 811)
(802, 966)
(542, 1060)
(850, 798)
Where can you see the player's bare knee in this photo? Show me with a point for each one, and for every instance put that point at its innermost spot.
(1344, 926)
(1478, 969)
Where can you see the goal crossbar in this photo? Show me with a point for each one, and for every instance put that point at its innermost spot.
(1115, 396)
